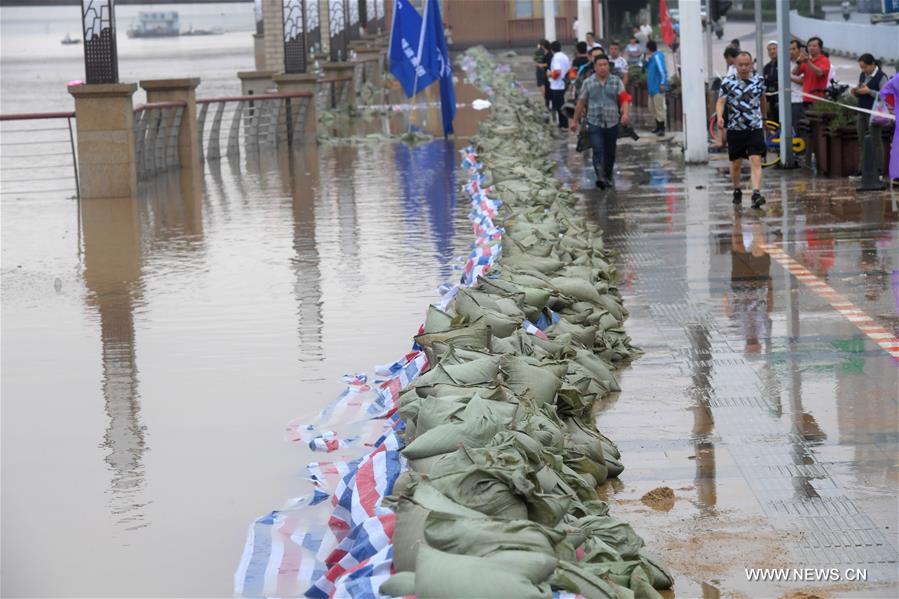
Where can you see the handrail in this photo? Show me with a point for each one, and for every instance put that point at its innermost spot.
(37, 116)
(154, 105)
(277, 96)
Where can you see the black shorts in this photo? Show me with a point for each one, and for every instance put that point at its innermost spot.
(743, 144)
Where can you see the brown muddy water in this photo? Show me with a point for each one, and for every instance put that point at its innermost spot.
(151, 361)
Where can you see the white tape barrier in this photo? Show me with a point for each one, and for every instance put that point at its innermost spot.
(885, 115)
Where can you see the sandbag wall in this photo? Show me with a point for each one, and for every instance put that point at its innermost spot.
(468, 467)
(500, 499)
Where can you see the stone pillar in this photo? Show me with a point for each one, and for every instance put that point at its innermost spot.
(324, 24)
(259, 50)
(273, 26)
(342, 69)
(254, 83)
(104, 117)
(180, 90)
(302, 82)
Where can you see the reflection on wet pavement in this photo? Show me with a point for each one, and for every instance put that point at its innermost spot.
(771, 415)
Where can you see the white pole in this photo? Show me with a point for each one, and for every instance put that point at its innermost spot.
(549, 20)
(783, 84)
(693, 83)
(759, 62)
(584, 19)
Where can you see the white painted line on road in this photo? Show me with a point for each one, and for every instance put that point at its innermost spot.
(838, 302)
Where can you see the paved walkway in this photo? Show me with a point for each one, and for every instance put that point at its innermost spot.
(767, 398)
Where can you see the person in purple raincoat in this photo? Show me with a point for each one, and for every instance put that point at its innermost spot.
(891, 90)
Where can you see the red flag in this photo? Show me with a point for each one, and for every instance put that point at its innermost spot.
(665, 22)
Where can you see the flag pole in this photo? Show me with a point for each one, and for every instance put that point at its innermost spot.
(421, 43)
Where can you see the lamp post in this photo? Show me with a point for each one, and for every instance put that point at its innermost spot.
(294, 36)
(101, 62)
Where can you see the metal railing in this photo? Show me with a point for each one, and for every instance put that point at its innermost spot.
(333, 92)
(37, 154)
(250, 121)
(157, 126)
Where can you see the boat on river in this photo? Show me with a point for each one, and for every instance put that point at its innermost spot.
(156, 24)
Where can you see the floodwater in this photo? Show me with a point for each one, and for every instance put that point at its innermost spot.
(147, 382)
(36, 67)
(154, 350)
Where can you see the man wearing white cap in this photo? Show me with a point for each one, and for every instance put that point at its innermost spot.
(770, 75)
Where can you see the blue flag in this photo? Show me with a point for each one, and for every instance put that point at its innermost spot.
(435, 58)
(405, 41)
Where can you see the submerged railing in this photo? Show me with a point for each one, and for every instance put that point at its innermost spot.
(37, 154)
(157, 126)
(333, 92)
(250, 121)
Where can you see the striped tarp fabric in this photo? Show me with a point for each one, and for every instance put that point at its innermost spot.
(337, 541)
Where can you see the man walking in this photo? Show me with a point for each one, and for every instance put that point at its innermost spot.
(558, 74)
(605, 102)
(744, 97)
(656, 85)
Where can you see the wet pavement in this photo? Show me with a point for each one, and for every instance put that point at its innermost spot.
(770, 414)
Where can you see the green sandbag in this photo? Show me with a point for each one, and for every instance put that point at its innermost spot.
(448, 354)
(495, 489)
(629, 574)
(474, 336)
(578, 289)
(437, 320)
(599, 367)
(513, 574)
(576, 579)
(482, 370)
(659, 577)
(412, 510)
(617, 533)
(541, 381)
(478, 423)
(586, 336)
(611, 303)
(401, 584)
(533, 296)
(484, 536)
(435, 411)
(588, 440)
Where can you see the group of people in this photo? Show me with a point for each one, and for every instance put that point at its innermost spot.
(597, 80)
(811, 75)
(747, 97)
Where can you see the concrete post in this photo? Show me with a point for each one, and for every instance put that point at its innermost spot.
(302, 82)
(549, 20)
(693, 84)
(254, 83)
(104, 117)
(259, 50)
(784, 97)
(180, 90)
(273, 30)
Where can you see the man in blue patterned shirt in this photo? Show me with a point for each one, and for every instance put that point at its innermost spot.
(605, 102)
(744, 96)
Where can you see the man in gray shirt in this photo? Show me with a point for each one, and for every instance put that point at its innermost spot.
(605, 102)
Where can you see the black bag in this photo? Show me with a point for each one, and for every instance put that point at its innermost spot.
(583, 142)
